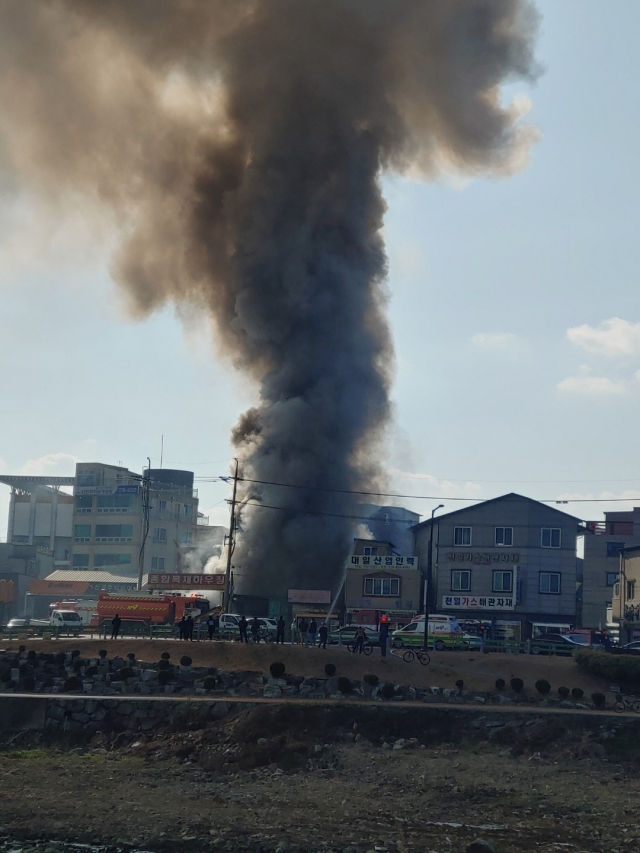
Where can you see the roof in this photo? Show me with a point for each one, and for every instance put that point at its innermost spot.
(68, 575)
(511, 496)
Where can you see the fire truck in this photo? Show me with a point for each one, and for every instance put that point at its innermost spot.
(141, 611)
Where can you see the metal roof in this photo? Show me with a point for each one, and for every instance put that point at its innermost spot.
(67, 575)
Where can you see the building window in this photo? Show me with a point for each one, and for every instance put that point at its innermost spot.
(462, 536)
(550, 583)
(460, 581)
(504, 536)
(612, 577)
(100, 560)
(616, 590)
(631, 590)
(114, 503)
(370, 551)
(84, 503)
(188, 510)
(187, 537)
(614, 548)
(159, 534)
(80, 561)
(550, 537)
(82, 532)
(86, 478)
(157, 564)
(389, 587)
(502, 581)
(113, 532)
(162, 505)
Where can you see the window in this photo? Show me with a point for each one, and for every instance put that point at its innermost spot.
(504, 536)
(188, 510)
(114, 503)
(460, 581)
(84, 503)
(462, 536)
(157, 564)
(631, 590)
(550, 537)
(612, 577)
(80, 561)
(550, 583)
(111, 532)
(111, 560)
(187, 537)
(616, 590)
(82, 532)
(159, 534)
(614, 548)
(382, 586)
(502, 581)
(86, 478)
(162, 506)
(370, 551)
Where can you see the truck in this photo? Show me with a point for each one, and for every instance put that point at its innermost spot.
(86, 609)
(142, 611)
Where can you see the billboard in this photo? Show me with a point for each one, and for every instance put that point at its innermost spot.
(160, 580)
(364, 561)
(309, 596)
(478, 602)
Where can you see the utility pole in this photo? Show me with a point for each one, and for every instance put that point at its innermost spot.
(428, 589)
(232, 540)
(144, 485)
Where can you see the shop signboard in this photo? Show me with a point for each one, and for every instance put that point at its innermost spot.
(478, 602)
(160, 580)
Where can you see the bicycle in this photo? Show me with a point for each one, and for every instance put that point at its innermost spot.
(627, 705)
(367, 648)
(410, 655)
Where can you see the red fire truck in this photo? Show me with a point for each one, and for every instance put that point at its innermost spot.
(141, 611)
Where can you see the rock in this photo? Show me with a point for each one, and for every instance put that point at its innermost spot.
(220, 709)
(272, 692)
(504, 700)
(399, 743)
(481, 846)
(318, 748)
(263, 741)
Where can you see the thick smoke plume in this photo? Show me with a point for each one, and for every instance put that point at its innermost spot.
(239, 146)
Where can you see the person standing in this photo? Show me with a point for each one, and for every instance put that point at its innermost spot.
(211, 625)
(280, 631)
(189, 628)
(255, 629)
(313, 630)
(303, 625)
(324, 634)
(358, 640)
(384, 637)
(242, 627)
(182, 627)
(294, 632)
(116, 622)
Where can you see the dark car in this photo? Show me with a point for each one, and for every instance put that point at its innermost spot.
(347, 635)
(632, 648)
(555, 644)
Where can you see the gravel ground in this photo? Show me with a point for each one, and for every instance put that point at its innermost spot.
(250, 784)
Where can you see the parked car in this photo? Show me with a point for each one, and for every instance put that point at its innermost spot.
(632, 648)
(347, 635)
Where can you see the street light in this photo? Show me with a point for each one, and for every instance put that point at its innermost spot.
(428, 595)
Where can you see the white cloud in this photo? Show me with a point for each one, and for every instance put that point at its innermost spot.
(430, 484)
(45, 464)
(613, 338)
(494, 341)
(591, 386)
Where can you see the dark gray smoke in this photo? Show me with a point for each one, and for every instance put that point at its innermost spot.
(239, 145)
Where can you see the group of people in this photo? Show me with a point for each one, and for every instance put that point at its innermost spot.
(306, 633)
(185, 627)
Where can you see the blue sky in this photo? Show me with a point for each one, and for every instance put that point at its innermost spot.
(514, 312)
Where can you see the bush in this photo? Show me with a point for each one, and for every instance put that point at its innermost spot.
(210, 682)
(163, 678)
(543, 687)
(165, 655)
(460, 684)
(277, 669)
(103, 653)
(577, 693)
(564, 692)
(185, 660)
(388, 691)
(344, 684)
(616, 669)
(72, 683)
(500, 684)
(371, 679)
(163, 665)
(517, 684)
(330, 669)
(599, 700)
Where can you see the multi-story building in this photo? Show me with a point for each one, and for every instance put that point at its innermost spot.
(509, 562)
(40, 514)
(603, 543)
(117, 512)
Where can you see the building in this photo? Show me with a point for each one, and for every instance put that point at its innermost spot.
(130, 524)
(509, 563)
(20, 565)
(603, 543)
(626, 594)
(40, 514)
(391, 523)
(380, 581)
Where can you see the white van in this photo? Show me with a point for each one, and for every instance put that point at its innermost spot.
(443, 631)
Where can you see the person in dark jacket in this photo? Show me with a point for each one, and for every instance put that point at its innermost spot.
(212, 625)
(116, 622)
(182, 627)
(358, 640)
(313, 630)
(255, 629)
(280, 631)
(303, 627)
(242, 627)
(324, 634)
(189, 628)
(384, 636)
